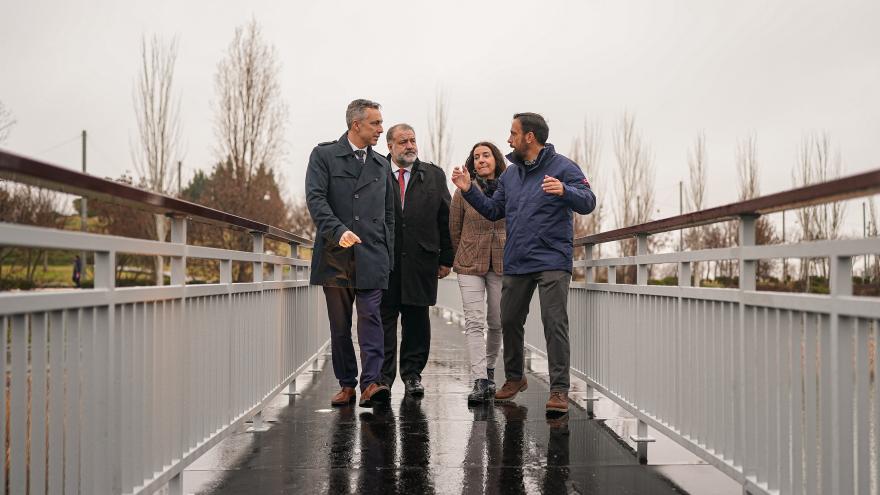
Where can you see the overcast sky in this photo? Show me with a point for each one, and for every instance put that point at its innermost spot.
(778, 69)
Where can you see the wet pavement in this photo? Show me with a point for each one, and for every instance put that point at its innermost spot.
(433, 445)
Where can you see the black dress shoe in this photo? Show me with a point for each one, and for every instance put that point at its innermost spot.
(481, 392)
(414, 386)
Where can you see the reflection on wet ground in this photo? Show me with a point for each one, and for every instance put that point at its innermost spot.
(433, 445)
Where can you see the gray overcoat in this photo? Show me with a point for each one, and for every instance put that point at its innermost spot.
(343, 194)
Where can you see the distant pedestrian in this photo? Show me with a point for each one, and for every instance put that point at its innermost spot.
(351, 200)
(537, 195)
(479, 248)
(77, 271)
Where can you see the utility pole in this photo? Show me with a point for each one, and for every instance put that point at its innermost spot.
(179, 190)
(784, 267)
(680, 212)
(865, 235)
(83, 208)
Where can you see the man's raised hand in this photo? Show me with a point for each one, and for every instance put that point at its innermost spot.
(552, 185)
(461, 178)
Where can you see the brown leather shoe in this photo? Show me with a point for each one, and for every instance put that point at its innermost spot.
(558, 402)
(510, 389)
(343, 397)
(375, 394)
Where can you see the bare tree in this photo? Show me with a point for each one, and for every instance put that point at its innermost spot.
(698, 161)
(818, 162)
(747, 167)
(585, 151)
(635, 179)
(251, 114)
(635, 174)
(6, 122)
(827, 165)
(748, 170)
(158, 121)
(746, 159)
(439, 135)
(27, 205)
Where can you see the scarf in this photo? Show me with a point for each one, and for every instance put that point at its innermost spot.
(487, 185)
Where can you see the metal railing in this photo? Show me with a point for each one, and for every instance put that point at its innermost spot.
(117, 390)
(781, 391)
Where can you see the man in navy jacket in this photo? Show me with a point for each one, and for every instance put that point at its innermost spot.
(536, 195)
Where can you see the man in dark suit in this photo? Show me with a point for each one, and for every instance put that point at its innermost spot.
(351, 200)
(423, 254)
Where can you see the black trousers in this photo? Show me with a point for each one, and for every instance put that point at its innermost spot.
(415, 343)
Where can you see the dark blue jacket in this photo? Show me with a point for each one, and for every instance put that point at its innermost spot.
(540, 230)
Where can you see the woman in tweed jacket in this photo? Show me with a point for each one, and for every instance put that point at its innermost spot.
(479, 248)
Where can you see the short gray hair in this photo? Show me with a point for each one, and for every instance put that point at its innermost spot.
(357, 110)
(393, 130)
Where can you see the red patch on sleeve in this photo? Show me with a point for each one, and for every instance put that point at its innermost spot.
(586, 182)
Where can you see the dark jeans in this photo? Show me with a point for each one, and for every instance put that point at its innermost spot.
(369, 329)
(415, 343)
(516, 294)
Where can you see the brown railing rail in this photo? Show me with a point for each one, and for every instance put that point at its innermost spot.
(853, 186)
(25, 170)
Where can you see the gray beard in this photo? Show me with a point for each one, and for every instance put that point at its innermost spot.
(401, 160)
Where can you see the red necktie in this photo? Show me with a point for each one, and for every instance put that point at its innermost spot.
(402, 184)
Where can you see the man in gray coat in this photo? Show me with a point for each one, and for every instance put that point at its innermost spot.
(350, 198)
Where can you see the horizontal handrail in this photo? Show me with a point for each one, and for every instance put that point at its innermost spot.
(26, 170)
(853, 186)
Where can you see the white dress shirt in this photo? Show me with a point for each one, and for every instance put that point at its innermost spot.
(355, 148)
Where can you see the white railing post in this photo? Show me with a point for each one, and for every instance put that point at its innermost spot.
(225, 271)
(258, 248)
(641, 437)
(642, 268)
(590, 275)
(179, 328)
(684, 280)
(105, 384)
(840, 459)
(105, 270)
(292, 273)
(684, 274)
(642, 440)
(277, 272)
(748, 268)
(178, 263)
(745, 422)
